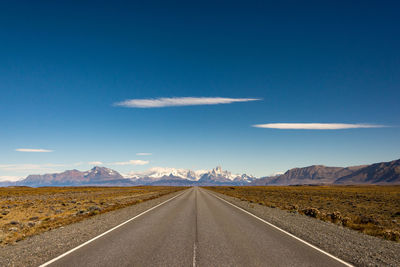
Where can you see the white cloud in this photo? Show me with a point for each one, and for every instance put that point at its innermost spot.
(179, 101)
(95, 163)
(316, 126)
(10, 178)
(32, 150)
(29, 167)
(132, 162)
(143, 154)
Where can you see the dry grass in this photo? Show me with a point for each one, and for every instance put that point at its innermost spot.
(26, 211)
(373, 210)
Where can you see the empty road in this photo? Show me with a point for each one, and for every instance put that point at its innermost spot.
(196, 229)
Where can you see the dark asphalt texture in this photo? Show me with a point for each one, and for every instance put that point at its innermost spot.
(196, 229)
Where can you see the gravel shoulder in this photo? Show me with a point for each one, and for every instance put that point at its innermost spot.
(41, 248)
(351, 246)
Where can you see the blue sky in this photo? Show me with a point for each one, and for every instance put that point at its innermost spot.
(64, 67)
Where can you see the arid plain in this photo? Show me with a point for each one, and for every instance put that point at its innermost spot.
(26, 211)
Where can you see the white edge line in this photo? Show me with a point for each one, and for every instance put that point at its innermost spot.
(283, 231)
(194, 254)
(112, 229)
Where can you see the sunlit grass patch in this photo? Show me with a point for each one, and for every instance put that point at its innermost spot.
(26, 211)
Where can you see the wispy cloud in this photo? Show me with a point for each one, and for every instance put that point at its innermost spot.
(29, 167)
(33, 150)
(316, 126)
(143, 154)
(10, 178)
(95, 163)
(179, 101)
(132, 162)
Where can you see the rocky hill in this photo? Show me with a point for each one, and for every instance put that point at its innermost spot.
(378, 173)
(95, 176)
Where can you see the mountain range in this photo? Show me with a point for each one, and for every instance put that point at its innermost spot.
(97, 176)
(101, 176)
(171, 176)
(378, 173)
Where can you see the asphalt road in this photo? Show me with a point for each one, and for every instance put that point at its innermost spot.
(196, 229)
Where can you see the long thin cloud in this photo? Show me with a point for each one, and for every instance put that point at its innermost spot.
(179, 101)
(143, 154)
(316, 126)
(33, 150)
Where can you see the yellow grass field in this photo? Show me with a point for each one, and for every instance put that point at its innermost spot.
(26, 211)
(373, 210)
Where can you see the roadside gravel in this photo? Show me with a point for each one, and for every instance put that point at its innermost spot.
(351, 246)
(39, 249)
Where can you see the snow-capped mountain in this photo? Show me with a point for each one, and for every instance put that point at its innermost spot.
(217, 176)
(102, 173)
(244, 178)
(159, 172)
(155, 176)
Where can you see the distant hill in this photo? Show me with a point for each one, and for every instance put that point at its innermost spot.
(378, 173)
(95, 176)
(269, 180)
(316, 174)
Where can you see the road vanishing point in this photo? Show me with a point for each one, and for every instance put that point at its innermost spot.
(196, 228)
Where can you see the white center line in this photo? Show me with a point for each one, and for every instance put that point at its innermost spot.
(194, 254)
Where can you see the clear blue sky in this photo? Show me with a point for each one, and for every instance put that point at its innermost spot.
(64, 65)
